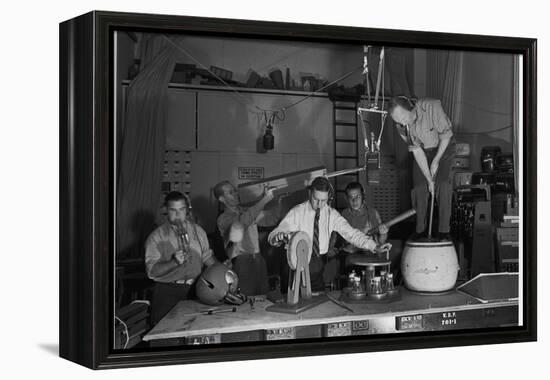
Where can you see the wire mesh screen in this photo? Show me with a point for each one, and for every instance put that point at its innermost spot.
(384, 196)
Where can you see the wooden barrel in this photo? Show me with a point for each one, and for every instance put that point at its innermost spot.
(429, 266)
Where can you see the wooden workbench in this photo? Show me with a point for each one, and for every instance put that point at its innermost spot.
(410, 312)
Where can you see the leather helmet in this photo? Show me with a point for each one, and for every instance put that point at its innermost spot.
(219, 284)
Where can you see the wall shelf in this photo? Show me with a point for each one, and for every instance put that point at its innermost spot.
(269, 91)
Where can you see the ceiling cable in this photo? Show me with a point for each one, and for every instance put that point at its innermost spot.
(246, 103)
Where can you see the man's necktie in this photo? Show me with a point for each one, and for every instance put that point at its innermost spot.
(409, 138)
(315, 248)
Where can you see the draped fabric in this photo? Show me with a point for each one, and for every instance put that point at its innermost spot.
(437, 72)
(452, 89)
(399, 65)
(141, 146)
(445, 82)
(398, 71)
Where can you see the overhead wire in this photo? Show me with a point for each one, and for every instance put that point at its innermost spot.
(380, 78)
(244, 101)
(279, 113)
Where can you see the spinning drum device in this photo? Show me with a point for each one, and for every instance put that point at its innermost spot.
(430, 265)
(299, 296)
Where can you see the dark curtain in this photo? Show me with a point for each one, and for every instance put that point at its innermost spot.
(399, 71)
(445, 82)
(436, 72)
(141, 146)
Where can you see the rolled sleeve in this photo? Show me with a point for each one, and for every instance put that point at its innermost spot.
(441, 121)
(248, 217)
(288, 224)
(206, 252)
(207, 256)
(268, 218)
(352, 235)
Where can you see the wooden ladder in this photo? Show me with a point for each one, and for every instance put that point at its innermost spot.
(345, 134)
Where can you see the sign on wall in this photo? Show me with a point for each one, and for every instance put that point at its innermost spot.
(250, 172)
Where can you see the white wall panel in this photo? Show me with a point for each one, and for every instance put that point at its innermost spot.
(180, 120)
(230, 122)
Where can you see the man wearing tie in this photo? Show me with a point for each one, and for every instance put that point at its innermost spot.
(316, 218)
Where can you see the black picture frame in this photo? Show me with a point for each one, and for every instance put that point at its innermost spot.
(87, 199)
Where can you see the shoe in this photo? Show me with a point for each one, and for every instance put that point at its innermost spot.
(418, 236)
(445, 236)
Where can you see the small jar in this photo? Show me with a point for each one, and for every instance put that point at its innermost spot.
(377, 288)
(357, 288)
(383, 275)
(351, 279)
(389, 282)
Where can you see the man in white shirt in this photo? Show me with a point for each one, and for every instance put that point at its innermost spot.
(316, 218)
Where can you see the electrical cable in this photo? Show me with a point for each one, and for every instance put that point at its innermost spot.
(125, 331)
(313, 92)
(245, 102)
(380, 78)
(383, 115)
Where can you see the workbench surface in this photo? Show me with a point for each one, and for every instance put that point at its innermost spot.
(177, 325)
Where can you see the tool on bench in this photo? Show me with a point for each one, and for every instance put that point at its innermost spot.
(341, 304)
(212, 311)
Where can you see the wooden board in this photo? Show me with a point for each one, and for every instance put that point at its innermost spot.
(285, 184)
(173, 325)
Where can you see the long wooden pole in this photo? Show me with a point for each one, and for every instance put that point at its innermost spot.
(431, 217)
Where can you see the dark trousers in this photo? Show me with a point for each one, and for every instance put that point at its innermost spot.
(165, 297)
(443, 190)
(316, 269)
(252, 272)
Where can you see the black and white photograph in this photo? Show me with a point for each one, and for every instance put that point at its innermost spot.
(272, 189)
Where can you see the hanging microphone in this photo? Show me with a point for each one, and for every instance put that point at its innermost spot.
(268, 139)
